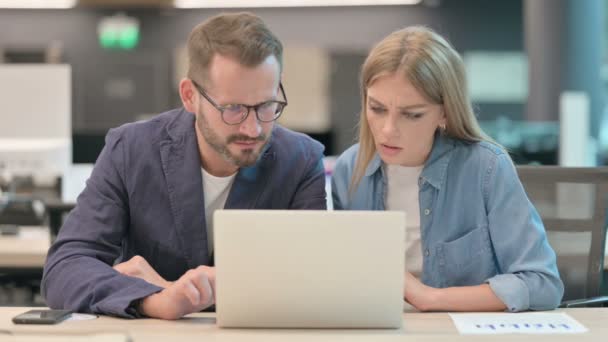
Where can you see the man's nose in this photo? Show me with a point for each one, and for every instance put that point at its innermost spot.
(251, 126)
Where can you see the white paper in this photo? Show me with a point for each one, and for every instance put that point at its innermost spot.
(517, 323)
(81, 317)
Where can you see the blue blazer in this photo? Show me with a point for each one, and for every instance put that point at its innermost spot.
(145, 197)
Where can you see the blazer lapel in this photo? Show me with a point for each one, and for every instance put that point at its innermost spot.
(182, 167)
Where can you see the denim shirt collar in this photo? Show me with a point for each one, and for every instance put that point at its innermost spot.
(435, 167)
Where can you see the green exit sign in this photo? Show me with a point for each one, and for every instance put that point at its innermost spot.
(118, 32)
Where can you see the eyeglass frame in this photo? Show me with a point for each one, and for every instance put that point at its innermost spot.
(255, 107)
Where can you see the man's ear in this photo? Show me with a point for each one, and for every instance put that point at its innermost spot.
(187, 95)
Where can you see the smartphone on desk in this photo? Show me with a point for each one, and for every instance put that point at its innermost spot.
(42, 317)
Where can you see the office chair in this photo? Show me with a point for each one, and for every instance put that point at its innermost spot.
(21, 210)
(56, 210)
(572, 203)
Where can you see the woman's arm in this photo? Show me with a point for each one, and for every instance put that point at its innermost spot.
(528, 279)
(462, 298)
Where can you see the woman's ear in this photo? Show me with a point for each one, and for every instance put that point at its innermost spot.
(443, 121)
(187, 95)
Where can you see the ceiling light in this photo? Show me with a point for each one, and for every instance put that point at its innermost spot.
(286, 3)
(37, 3)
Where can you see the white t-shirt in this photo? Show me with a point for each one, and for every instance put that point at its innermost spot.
(402, 194)
(216, 190)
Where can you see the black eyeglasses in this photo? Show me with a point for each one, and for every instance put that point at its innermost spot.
(234, 114)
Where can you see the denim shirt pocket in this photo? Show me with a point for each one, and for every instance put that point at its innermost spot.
(467, 260)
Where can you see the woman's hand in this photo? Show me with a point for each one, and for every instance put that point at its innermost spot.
(420, 296)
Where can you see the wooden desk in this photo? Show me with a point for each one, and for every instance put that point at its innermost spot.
(201, 327)
(26, 250)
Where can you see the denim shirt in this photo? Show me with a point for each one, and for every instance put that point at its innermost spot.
(477, 224)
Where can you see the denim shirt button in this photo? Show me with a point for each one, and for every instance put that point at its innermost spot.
(427, 253)
(427, 212)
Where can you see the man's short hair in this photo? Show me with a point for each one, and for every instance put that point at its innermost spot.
(242, 36)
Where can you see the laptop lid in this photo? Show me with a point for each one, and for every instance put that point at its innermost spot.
(309, 269)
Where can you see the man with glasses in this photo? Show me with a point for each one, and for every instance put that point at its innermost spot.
(140, 240)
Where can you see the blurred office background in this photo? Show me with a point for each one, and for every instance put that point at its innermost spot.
(521, 55)
(538, 75)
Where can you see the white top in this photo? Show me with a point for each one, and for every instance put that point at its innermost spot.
(215, 191)
(402, 194)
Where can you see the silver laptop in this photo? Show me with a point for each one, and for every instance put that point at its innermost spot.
(309, 269)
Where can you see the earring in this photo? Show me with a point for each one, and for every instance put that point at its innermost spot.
(442, 127)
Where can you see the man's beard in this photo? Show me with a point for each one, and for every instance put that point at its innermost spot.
(246, 158)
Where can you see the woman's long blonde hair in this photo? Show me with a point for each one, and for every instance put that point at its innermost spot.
(434, 68)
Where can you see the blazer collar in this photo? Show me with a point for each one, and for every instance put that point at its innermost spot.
(181, 165)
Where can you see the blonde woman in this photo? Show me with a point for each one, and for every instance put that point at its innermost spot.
(474, 242)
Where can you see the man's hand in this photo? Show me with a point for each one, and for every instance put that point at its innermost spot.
(138, 267)
(421, 296)
(193, 292)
